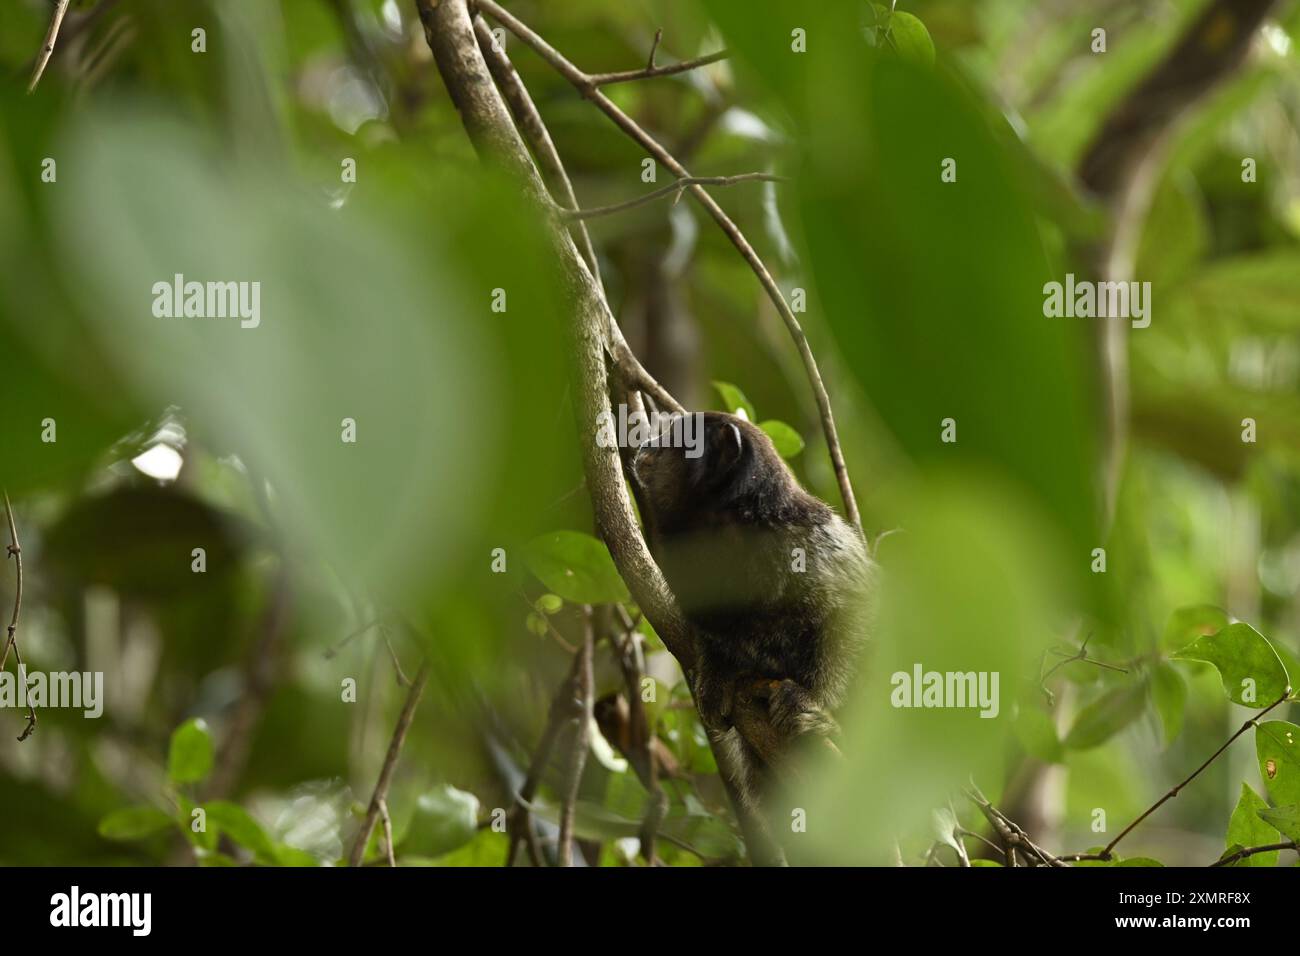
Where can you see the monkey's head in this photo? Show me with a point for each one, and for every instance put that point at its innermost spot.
(712, 467)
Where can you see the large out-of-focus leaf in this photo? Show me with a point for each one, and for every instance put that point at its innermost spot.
(378, 313)
(140, 541)
(134, 823)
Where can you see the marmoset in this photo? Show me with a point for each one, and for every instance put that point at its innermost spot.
(774, 582)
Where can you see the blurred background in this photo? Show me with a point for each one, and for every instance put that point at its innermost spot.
(309, 145)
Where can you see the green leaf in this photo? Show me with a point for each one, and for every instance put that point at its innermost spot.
(445, 819)
(788, 442)
(1252, 673)
(734, 400)
(1106, 716)
(238, 824)
(1284, 819)
(1188, 623)
(190, 757)
(909, 37)
(1277, 746)
(575, 566)
(1169, 694)
(1034, 729)
(134, 823)
(1246, 828)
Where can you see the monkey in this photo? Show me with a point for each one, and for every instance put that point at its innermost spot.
(775, 584)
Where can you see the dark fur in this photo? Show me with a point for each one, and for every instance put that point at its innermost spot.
(723, 528)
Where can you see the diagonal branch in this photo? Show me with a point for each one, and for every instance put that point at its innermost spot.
(379, 799)
(586, 85)
(47, 48)
(534, 131)
(674, 188)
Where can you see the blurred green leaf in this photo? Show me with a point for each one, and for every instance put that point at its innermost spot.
(1169, 694)
(908, 36)
(445, 818)
(735, 402)
(575, 566)
(189, 759)
(1106, 716)
(134, 823)
(1188, 623)
(788, 442)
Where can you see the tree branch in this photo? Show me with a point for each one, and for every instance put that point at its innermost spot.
(47, 48)
(1105, 854)
(577, 757)
(380, 796)
(672, 188)
(1244, 852)
(534, 131)
(451, 37)
(650, 71)
(586, 85)
(11, 641)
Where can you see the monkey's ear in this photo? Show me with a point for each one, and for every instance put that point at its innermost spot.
(731, 445)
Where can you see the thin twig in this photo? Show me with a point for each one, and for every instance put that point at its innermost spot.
(534, 132)
(520, 824)
(677, 187)
(390, 761)
(1105, 853)
(11, 641)
(332, 651)
(1252, 850)
(388, 832)
(47, 48)
(651, 71)
(577, 756)
(589, 88)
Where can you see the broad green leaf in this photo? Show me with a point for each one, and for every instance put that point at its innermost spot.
(1106, 716)
(1248, 829)
(1284, 819)
(575, 566)
(910, 38)
(488, 848)
(189, 758)
(788, 442)
(1169, 694)
(1252, 673)
(1277, 746)
(734, 400)
(445, 818)
(1188, 623)
(134, 823)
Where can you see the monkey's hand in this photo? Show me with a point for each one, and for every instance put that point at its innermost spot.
(792, 710)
